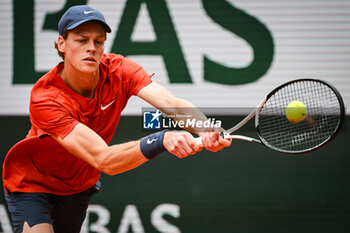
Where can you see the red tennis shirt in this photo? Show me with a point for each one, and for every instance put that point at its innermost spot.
(39, 163)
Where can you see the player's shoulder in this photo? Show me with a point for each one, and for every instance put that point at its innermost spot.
(116, 63)
(47, 87)
(112, 59)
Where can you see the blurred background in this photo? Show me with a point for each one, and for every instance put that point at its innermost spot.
(221, 53)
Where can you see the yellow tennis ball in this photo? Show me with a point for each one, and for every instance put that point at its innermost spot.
(296, 111)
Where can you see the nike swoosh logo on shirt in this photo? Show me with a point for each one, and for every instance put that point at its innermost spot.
(106, 106)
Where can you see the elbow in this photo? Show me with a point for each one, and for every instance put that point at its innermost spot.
(102, 165)
(110, 172)
(106, 169)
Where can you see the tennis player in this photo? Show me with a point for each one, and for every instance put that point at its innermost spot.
(50, 177)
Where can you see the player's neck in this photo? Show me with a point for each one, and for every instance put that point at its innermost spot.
(82, 83)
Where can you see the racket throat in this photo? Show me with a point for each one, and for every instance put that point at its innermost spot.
(240, 137)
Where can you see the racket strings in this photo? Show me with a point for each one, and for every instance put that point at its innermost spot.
(322, 117)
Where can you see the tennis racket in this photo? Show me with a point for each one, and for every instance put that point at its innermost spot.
(323, 118)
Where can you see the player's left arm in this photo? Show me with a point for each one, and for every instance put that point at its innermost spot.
(162, 99)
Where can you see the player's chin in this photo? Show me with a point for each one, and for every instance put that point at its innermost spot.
(89, 67)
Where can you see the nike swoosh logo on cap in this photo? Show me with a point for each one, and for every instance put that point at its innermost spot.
(88, 12)
(106, 106)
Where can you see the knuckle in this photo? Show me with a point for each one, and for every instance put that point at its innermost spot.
(192, 144)
(176, 147)
(180, 140)
(172, 149)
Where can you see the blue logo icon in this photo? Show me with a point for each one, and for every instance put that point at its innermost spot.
(151, 119)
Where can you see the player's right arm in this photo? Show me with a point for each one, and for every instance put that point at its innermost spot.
(90, 147)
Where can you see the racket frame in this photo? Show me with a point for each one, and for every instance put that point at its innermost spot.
(261, 140)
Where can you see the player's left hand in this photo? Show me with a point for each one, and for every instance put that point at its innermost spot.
(212, 141)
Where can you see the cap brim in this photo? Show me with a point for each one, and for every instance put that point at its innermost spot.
(107, 28)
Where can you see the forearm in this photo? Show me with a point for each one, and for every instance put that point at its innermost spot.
(184, 110)
(177, 108)
(121, 158)
(90, 147)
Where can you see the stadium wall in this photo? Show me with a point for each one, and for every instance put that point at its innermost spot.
(223, 52)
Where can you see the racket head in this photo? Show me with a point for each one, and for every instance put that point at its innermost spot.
(325, 114)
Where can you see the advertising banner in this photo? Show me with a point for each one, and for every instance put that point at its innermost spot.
(214, 53)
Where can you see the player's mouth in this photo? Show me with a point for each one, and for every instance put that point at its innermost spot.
(89, 59)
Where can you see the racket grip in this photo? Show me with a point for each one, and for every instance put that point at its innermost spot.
(198, 141)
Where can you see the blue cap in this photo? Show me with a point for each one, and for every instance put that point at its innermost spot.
(77, 15)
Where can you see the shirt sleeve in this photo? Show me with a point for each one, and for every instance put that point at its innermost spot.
(50, 118)
(136, 76)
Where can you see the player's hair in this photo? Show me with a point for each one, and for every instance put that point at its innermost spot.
(65, 36)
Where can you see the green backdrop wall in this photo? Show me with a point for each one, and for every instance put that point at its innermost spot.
(244, 188)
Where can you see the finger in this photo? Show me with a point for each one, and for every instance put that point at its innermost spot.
(207, 142)
(214, 136)
(187, 148)
(183, 145)
(225, 141)
(192, 143)
(181, 153)
(173, 149)
(184, 142)
(212, 140)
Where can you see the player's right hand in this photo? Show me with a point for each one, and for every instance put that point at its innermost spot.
(213, 142)
(180, 143)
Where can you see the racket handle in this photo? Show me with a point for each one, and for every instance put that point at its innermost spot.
(198, 141)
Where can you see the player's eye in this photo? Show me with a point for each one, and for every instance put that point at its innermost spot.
(82, 40)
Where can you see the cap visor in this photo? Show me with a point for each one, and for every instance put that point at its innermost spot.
(71, 27)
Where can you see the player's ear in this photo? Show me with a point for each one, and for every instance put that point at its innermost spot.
(61, 44)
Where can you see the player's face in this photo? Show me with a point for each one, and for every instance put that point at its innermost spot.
(84, 47)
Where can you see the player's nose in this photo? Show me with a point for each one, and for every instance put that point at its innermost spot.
(91, 47)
